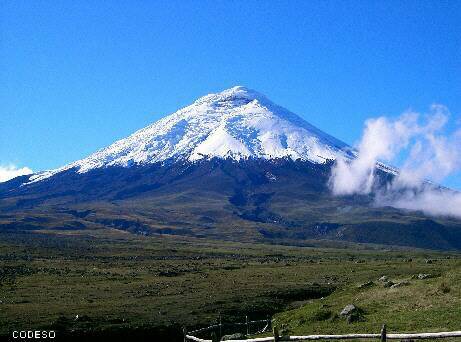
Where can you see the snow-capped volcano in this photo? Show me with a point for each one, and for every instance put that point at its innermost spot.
(236, 123)
(233, 166)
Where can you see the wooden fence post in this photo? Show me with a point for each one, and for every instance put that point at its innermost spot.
(220, 326)
(383, 333)
(214, 337)
(275, 331)
(184, 332)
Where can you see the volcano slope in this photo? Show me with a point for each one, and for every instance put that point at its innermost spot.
(275, 201)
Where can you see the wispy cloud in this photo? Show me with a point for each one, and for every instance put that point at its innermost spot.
(11, 171)
(431, 155)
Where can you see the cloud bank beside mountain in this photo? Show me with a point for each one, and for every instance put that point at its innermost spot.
(11, 171)
(429, 155)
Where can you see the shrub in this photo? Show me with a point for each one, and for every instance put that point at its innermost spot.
(444, 288)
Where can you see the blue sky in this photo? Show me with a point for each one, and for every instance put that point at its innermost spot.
(77, 75)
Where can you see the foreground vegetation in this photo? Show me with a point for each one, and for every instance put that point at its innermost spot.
(113, 284)
(430, 302)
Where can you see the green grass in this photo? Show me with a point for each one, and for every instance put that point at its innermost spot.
(424, 305)
(118, 282)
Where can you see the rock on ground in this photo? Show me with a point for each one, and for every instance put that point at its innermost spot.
(237, 336)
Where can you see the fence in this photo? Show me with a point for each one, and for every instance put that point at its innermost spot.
(383, 336)
(216, 330)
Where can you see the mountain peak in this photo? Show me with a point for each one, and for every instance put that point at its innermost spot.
(237, 123)
(235, 95)
(238, 91)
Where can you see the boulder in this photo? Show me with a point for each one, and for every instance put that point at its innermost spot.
(402, 283)
(352, 313)
(348, 310)
(237, 336)
(424, 276)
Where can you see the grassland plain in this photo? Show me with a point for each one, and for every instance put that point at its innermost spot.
(112, 284)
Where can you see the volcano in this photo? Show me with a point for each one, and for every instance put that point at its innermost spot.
(230, 166)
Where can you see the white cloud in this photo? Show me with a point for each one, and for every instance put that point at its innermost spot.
(382, 140)
(10, 171)
(428, 199)
(432, 155)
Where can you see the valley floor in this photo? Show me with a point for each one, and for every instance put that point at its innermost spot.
(114, 284)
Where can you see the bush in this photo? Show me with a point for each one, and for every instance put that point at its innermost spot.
(444, 288)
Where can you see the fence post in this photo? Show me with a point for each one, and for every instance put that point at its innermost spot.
(383, 333)
(248, 327)
(184, 332)
(214, 338)
(220, 326)
(275, 331)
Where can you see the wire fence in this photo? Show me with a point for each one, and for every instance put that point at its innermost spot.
(216, 333)
(220, 329)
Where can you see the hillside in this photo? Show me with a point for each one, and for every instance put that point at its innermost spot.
(252, 200)
(421, 302)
